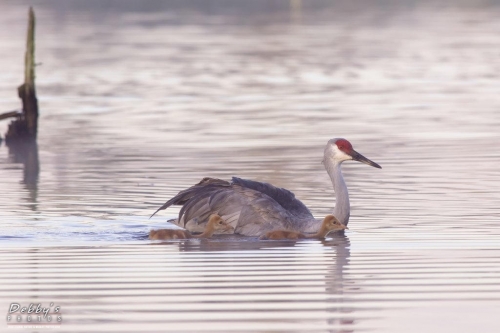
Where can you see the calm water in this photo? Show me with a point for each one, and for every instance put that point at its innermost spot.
(142, 99)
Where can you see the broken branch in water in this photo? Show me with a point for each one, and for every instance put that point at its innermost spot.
(10, 114)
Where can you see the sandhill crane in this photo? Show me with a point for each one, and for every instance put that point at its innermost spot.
(255, 208)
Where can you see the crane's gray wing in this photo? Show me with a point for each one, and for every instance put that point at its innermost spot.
(236, 204)
(283, 197)
(184, 196)
(251, 207)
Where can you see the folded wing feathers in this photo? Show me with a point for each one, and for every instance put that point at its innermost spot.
(185, 195)
(181, 198)
(193, 205)
(282, 196)
(202, 197)
(249, 201)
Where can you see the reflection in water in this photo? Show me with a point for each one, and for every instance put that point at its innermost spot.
(26, 152)
(270, 259)
(338, 285)
(177, 286)
(306, 286)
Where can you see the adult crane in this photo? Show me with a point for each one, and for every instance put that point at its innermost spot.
(254, 208)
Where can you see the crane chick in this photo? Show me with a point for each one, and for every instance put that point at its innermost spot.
(215, 224)
(330, 223)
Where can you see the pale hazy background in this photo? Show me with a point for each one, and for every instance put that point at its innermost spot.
(140, 99)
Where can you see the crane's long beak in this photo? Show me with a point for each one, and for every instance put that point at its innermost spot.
(360, 158)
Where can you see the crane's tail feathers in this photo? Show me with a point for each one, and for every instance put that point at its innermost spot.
(186, 195)
(195, 204)
(155, 212)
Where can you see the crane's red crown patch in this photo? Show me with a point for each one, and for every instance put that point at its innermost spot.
(344, 145)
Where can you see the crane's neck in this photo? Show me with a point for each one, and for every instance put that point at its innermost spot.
(342, 208)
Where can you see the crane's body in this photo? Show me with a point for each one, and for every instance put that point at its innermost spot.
(254, 208)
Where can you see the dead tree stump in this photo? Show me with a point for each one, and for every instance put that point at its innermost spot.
(22, 132)
(25, 127)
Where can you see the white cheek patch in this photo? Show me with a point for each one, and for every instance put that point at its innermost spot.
(340, 155)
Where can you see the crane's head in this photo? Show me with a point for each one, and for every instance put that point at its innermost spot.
(340, 150)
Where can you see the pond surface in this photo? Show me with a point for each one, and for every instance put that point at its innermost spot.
(142, 99)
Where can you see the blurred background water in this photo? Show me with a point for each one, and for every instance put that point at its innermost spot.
(140, 99)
